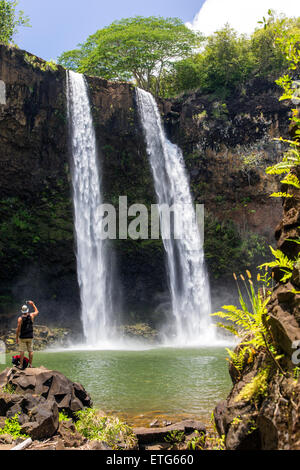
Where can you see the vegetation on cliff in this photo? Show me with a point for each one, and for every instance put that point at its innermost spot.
(262, 410)
(139, 48)
(10, 20)
(165, 57)
(229, 60)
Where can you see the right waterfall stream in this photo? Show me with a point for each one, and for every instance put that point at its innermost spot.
(190, 323)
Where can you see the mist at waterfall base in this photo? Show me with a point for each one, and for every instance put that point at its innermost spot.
(189, 323)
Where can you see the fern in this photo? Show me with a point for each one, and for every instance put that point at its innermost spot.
(280, 194)
(250, 325)
(291, 180)
(289, 162)
(256, 388)
(281, 261)
(238, 358)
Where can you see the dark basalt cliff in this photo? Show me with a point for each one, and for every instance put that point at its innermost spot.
(226, 146)
(36, 214)
(271, 421)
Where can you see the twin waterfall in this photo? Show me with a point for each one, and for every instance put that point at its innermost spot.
(93, 268)
(189, 287)
(189, 322)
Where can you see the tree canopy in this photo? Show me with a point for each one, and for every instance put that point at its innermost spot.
(10, 20)
(228, 59)
(138, 48)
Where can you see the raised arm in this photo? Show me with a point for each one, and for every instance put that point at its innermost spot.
(36, 312)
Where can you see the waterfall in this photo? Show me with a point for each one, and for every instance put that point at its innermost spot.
(188, 282)
(93, 261)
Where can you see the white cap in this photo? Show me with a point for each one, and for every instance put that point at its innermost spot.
(25, 309)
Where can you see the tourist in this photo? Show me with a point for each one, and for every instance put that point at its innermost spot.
(24, 335)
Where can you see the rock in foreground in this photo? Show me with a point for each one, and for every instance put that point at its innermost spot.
(37, 396)
(156, 435)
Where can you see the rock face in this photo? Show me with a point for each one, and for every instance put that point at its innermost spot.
(44, 337)
(39, 395)
(226, 144)
(273, 420)
(36, 212)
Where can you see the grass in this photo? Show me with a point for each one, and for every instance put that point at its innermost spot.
(109, 429)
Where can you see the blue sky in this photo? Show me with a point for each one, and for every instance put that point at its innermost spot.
(59, 25)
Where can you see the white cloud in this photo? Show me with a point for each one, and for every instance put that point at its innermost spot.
(242, 15)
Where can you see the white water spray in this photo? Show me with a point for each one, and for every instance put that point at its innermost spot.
(93, 263)
(189, 286)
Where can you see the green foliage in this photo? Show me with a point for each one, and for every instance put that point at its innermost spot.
(163, 56)
(268, 57)
(8, 388)
(26, 227)
(250, 323)
(256, 388)
(228, 60)
(40, 64)
(288, 40)
(236, 421)
(134, 48)
(175, 437)
(110, 429)
(223, 63)
(10, 20)
(226, 250)
(281, 261)
(290, 161)
(197, 442)
(13, 427)
(296, 373)
(62, 416)
(244, 355)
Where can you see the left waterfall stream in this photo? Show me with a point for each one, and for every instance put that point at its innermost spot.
(94, 268)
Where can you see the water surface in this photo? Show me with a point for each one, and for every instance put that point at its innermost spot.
(142, 385)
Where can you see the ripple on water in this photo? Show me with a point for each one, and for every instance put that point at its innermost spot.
(141, 385)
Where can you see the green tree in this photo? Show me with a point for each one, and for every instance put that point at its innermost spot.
(138, 48)
(228, 59)
(10, 20)
(225, 61)
(270, 58)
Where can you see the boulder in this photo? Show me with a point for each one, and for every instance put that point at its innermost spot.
(285, 329)
(6, 439)
(151, 435)
(296, 277)
(44, 420)
(69, 435)
(241, 436)
(68, 396)
(38, 417)
(285, 294)
(39, 395)
(99, 445)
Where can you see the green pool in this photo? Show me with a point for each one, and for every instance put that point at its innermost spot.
(142, 385)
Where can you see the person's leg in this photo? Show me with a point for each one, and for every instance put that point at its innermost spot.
(21, 352)
(30, 359)
(30, 352)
